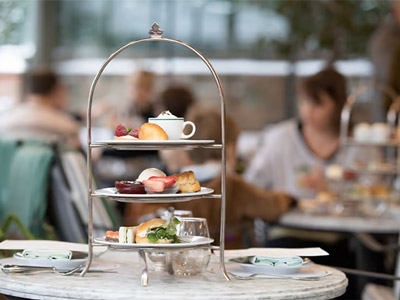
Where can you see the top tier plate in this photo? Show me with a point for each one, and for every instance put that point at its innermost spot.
(155, 144)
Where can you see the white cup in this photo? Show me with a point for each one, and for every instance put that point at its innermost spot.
(379, 132)
(174, 127)
(362, 132)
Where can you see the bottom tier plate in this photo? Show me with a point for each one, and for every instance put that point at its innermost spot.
(186, 242)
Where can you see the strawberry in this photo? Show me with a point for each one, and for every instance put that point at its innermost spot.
(155, 186)
(169, 180)
(120, 130)
(134, 132)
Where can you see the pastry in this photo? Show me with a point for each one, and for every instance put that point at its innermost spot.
(157, 231)
(187, 182)
(334, 172)
(149, 131)
(380, 191)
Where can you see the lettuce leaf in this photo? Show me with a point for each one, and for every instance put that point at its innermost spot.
(166, 231)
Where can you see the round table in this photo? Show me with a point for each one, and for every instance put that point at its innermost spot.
(301, 220)
(355, 225)
(125, 284)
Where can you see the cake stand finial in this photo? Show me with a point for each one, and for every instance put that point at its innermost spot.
(155, 31)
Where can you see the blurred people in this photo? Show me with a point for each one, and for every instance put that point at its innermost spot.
(243, 201)
(178, 100)
(295, 152)
(384, 52)
(41, 116)
(141, 101)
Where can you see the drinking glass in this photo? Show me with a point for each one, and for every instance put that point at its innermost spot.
(157, 259)
(193, 261)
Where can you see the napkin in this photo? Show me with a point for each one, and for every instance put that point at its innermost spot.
(277, 252)
(47, 254)
(292, 261)
(270, 261)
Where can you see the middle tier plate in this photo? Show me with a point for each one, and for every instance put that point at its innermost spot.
(186, 242)
(111, 193)
(156, 144)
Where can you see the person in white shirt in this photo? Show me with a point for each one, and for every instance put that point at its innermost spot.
(294, 153)
(41, 116)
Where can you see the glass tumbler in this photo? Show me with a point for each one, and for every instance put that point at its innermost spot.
(191, 261)
(157, 259)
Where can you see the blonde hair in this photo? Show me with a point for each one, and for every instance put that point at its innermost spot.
(208, 127)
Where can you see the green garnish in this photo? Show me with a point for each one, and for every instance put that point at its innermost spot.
(152, 237)
(166, 231)
(128, 130)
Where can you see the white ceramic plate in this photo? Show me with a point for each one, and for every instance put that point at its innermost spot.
(112, 192)
(47, 263)
(156, 142)
(186, 242)
(251, 268)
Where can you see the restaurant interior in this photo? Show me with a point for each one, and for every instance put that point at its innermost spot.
(289, 109)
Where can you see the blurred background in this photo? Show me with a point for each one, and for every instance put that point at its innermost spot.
(258, 48)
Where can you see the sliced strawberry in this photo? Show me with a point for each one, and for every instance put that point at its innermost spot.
(120, 130)
(154, 186)
(134, 132)
(169, 180)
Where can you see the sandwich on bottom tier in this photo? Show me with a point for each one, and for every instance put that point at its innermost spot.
(155, 231)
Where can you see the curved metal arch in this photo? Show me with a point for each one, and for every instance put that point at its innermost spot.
(352, 98)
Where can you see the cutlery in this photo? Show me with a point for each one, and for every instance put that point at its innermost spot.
(254, 275)
(8, 269)
(29, 270)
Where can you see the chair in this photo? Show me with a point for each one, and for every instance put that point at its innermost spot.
(39, 182)
(24, 172)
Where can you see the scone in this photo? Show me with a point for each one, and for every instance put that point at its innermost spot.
(149, 131)
(187, 182)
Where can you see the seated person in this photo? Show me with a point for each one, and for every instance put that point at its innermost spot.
(294, 153)
(39, 117)
(243, 200)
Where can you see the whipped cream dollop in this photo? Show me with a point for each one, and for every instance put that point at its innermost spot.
(166, 115)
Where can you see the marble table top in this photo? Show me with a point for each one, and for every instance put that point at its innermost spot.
(303, 220)
(125, 284)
